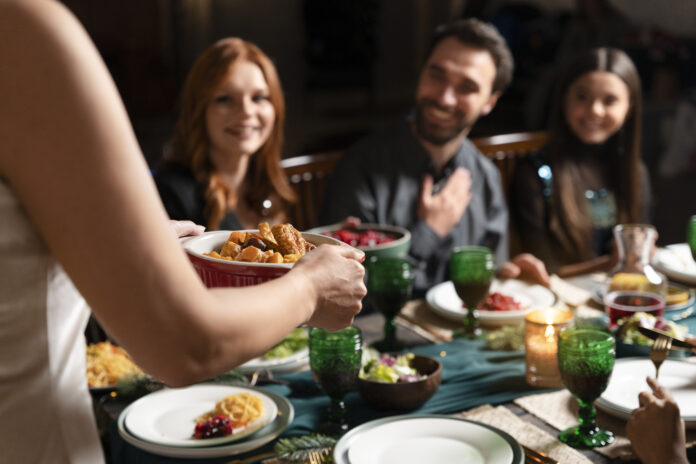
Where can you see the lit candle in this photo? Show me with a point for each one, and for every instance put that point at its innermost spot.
(541, 328)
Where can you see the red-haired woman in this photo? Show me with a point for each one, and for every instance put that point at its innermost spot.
(223, 170)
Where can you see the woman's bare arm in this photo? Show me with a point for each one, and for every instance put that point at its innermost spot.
(70, 155)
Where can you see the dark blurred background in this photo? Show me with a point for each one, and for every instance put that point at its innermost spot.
(350, 67)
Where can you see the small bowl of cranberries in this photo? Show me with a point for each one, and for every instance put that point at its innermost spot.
(373, 239)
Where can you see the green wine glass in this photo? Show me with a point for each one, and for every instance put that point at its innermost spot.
(335, 359)
(389, 287)
(585, 361)
(691, 236)
(471, 271)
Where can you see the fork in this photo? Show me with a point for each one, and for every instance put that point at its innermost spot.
(315, 457)
(533, 456)
(659, 351)
(319, 456)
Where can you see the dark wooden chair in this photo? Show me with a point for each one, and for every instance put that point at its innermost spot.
(307, 175)
(506, 149)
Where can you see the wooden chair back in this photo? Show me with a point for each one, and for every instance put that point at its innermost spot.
(506, 149)
(307, 175)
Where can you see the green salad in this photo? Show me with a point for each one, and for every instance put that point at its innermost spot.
(295, 341)
(386, 368)
(628, 333)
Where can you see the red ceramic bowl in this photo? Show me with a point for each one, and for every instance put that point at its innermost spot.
(221, 273)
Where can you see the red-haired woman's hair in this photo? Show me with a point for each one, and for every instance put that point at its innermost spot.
(191, 145)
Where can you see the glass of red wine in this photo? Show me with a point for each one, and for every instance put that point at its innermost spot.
(389, 288)
(585, 361)
(335, 359)
(691, 236)
(471, 271)
(625, 303)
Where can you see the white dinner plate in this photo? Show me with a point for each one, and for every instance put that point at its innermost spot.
(289, 363)
(443, 299)
(266, 434)
(675, 262)
(628, 380)
(168, 417)
(414, 439)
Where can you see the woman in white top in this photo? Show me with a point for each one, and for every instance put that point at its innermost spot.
(76, 194)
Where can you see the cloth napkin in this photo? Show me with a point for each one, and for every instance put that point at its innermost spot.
(570, 294)
(525, 433)
(417, 312)
(560, 410)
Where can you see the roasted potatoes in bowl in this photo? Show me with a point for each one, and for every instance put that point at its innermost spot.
(252, 267)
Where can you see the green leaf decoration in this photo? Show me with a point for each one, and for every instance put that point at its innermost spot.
(234, 377)
(135, 386)
(507, 338)
(297, 449)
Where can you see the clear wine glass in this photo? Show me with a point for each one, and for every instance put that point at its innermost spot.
(335, 359)
(389, 287)
(585, 361)
(471, 272)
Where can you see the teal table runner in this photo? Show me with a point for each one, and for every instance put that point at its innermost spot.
(471, 376)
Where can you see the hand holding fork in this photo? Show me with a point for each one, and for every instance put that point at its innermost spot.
(659, 351)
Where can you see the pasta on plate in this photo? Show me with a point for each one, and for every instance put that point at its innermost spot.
(240, 408)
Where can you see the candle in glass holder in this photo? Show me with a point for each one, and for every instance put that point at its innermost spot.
(541, 328)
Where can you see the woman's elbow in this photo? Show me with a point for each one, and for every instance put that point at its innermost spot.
(188, 362)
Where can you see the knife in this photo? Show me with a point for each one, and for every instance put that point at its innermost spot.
(676, 342)
(535, 456)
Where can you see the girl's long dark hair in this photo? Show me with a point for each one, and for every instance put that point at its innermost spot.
(569, 219)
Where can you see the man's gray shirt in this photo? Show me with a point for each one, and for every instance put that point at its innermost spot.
(379, 180)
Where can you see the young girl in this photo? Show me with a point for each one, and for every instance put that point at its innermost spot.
(590, 175)
(223, 170)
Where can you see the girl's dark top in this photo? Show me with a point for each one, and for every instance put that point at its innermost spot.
(532, 188)
(184, 198)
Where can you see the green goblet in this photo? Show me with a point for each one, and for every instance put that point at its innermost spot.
(471, 270)
(586, 360)
(389, 287)
(335, 358)
(691, 236)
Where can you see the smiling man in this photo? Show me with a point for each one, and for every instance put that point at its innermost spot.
(424, 174)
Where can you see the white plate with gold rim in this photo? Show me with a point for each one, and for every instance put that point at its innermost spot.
(416, 439)
(290, 363)
(266, 434)
(676, 262)
(443, 300)
(628, 380)
(168, 417)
